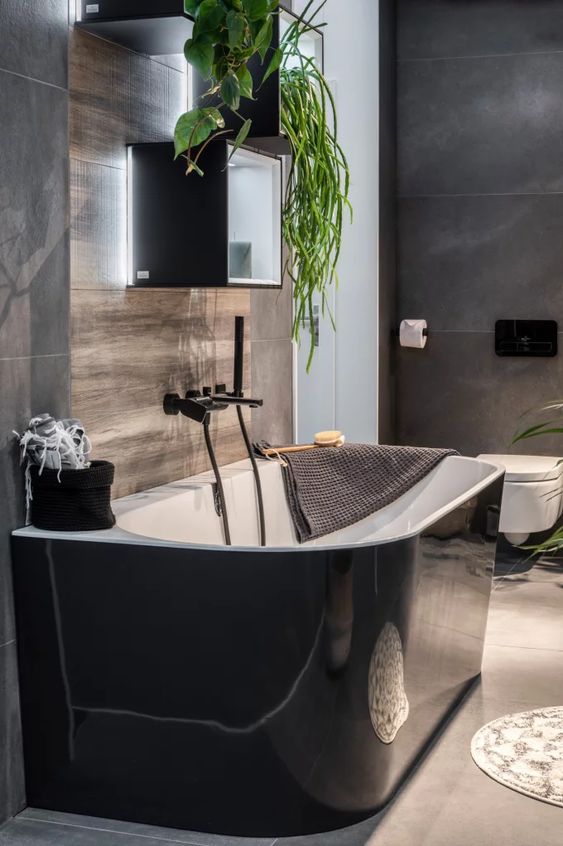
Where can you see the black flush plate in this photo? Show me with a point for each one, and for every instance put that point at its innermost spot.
(536, 338)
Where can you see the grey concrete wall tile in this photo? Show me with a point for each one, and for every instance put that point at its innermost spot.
(478, 126)
(272, 381)
(458, 393)
(34, 252)
(35, 39)
(7, 616)
(29, 386)
(437, 28)
(128, 833)
(465, 262)
(12, 788)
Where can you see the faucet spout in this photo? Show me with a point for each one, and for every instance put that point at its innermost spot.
(195, 408)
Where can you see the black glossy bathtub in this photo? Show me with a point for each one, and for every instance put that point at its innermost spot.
(251, 692)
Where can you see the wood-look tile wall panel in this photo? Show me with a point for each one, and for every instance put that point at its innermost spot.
(157, 96)
(129, 347)
(99, 100)
(99, 225)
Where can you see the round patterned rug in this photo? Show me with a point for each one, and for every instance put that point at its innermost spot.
(524, 752)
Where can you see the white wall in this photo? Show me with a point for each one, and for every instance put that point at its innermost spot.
(342, 390)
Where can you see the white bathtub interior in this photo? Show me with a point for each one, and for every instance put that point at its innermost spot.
(184, 512)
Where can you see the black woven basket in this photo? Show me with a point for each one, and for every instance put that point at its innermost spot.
(75, 500)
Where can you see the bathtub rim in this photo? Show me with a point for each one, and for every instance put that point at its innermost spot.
(118, 535)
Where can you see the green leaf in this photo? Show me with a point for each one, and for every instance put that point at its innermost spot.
(255, 9)
(274, 64)
(195, 127)
(241, 137)
(246, 82)
(230, 90)
(200, 55)
(215, 115)
(191, 6)
(236, 25)
(264, 37)
(210, 16)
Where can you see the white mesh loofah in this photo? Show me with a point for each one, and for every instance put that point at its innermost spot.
(52, 444)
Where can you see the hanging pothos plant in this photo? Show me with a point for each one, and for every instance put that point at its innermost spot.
(227, 34)
(318, 188)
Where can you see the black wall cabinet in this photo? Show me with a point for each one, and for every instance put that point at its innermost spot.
(160, 27)
(188, 231)
(154, 27)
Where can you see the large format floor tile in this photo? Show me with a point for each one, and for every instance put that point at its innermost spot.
(71, 829)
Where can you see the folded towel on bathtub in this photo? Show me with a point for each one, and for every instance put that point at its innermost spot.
(331, 488)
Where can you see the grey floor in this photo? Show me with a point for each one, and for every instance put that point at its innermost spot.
(447, 801)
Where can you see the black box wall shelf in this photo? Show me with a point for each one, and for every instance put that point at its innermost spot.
(223, 229)
(154, 27)
(160, 27)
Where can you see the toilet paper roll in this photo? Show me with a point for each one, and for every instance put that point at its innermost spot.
(411, 334)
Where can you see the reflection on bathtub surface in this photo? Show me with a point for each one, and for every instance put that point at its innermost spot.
(388, 703)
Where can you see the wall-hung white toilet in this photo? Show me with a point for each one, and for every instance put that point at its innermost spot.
(532, 499)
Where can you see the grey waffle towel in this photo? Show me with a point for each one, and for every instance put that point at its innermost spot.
(331, 488)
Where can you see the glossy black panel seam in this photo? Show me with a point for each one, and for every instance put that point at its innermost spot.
(34, 79)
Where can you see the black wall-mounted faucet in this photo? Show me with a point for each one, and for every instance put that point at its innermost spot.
(195, 406)
(199, 406)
